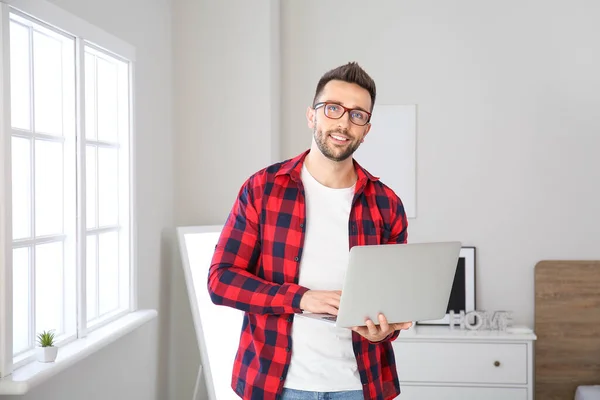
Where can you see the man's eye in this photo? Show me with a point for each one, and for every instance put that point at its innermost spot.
(358, 115)
(332, 107)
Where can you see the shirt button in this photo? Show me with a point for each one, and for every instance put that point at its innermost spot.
(301, 225)
(287, 349)
(296, 258)
(290, 319)
(281, 378)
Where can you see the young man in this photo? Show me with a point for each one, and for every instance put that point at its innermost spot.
(284, 250)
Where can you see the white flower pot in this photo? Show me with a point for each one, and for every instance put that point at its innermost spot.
(46, 354)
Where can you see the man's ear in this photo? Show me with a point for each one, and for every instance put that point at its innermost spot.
(367, 129)
(310, 117)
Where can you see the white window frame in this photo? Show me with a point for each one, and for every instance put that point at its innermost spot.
(86, 35)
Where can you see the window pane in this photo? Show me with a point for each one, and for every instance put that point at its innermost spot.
(108, 272)
(47, 76)
(123, 71)
(108, 100)
(124, 266)
(92, 277)
(21, 297)
(91, 187)
(90, 96)
(49, 287)
(20, 94)
(21, 187)
(108, 188)
(48, 188)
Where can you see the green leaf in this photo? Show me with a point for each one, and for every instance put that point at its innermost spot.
(46, 338)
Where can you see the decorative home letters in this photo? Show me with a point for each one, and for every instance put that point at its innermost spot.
(481, 320)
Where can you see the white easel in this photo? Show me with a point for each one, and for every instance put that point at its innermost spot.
(217, 346)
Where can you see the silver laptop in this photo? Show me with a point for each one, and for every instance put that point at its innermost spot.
(405, 282)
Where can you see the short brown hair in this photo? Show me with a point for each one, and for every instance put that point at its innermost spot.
(351, 73)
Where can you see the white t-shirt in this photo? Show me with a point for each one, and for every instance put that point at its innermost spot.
(322, 355)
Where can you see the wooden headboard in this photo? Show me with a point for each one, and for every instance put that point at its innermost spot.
(567, 326)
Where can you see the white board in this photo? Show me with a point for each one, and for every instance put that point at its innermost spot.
(217, 327)
(389, 151)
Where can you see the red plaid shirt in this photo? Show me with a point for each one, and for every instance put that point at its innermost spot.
(255, 269)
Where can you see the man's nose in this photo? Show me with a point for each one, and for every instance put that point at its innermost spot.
(344, 121)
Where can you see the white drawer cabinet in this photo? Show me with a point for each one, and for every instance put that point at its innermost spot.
(485, 363)
(461, 393)
(435, 362)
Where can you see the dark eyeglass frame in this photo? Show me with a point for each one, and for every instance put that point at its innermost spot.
(346, 109)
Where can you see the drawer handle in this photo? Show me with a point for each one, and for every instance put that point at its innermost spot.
(496, 363)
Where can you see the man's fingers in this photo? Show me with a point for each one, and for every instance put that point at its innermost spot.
(331, 310)
(321, 301)
(383, 323)
(334, 302)
(371, 327)
(402, 326)
(361, 330)
(333, 298)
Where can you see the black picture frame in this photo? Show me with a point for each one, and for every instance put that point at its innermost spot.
(462, 297)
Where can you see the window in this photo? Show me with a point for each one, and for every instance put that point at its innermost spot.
(65, 202)
(107, 185)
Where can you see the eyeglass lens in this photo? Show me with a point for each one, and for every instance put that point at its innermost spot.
(335, 111)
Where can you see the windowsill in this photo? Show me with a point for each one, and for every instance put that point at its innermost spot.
(34, 373)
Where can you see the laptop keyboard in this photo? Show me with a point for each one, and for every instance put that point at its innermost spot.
(332, 318)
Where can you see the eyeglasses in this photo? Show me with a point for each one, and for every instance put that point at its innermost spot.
(336, 111)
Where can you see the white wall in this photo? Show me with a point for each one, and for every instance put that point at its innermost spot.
(124, 370)
(227, 92)
(226, 101)
(508, 134)
(136, 367)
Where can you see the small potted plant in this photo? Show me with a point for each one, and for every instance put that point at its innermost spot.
(46, 351)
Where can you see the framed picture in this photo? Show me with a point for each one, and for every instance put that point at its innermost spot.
(462, 296)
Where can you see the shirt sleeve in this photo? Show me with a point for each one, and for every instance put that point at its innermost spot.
(231, 281)
(390, 338)
(399, 234)
(399, 224)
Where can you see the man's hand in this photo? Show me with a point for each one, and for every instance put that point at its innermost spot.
(376, 333)
(321, 301)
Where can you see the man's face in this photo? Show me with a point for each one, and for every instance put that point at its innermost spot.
(339, 138)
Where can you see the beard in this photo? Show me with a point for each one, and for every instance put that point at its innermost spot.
(330, 150)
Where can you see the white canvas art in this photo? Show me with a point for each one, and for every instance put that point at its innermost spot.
(389, 151)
